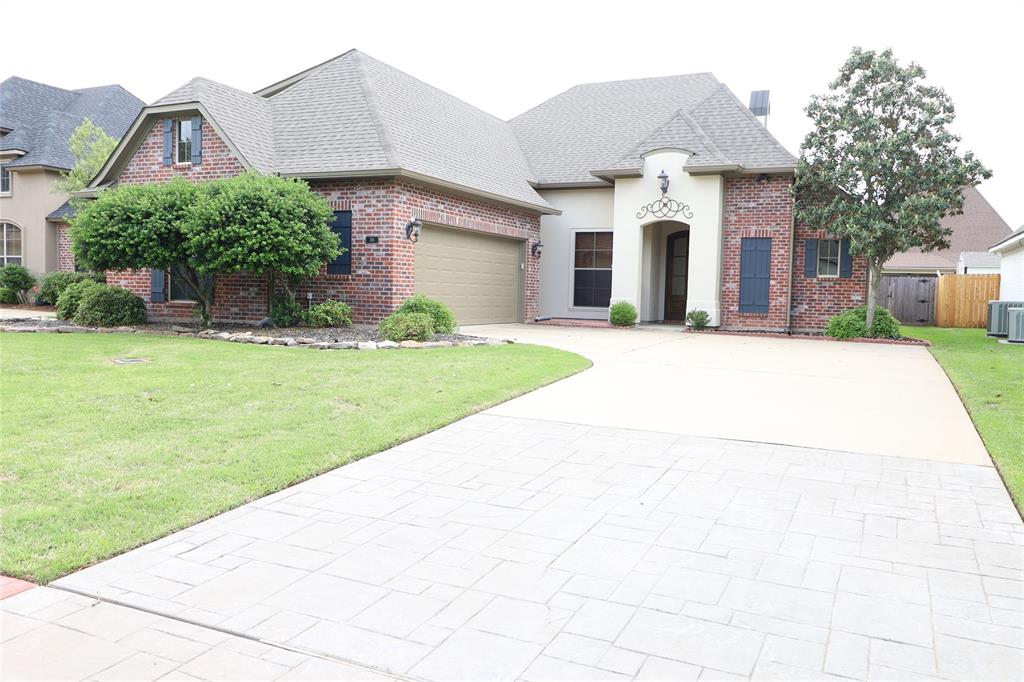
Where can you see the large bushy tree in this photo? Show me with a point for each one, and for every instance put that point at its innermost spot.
(881, 167)
(250, 223)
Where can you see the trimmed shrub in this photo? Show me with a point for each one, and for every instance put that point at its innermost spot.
(401, 326)
(698, 319)
(18, 279)
(328, 314)
(107, 306)
(285, 311)
(622, 314)
(69, 299)
(54, 283)
(8, 296)
(441, 315)
(853, 324)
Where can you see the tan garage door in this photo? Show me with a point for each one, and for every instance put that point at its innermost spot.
(477, 275)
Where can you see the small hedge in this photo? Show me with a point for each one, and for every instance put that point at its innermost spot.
(401, 326)
(67, 302)
(107, 306)
(8, 296)
(18, 279)
(285, 311)
(698, 319)
(441, 315)
(622, 314)
(852, 324)
(54, 283)
(329, 314)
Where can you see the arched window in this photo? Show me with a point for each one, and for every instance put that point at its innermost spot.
(10, 244)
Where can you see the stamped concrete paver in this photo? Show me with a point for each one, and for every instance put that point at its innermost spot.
(522, 549)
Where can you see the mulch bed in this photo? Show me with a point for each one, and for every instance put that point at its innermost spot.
(906, 341)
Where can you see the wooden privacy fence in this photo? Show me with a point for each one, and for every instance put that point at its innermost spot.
(910, 298)
(962, 300)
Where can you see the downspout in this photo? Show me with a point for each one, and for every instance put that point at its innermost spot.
(789, 282)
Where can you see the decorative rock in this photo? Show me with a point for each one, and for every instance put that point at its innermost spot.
(304, 340)
(127, 330)
(47, 330)
(321, 345)
(367, 345)
(223, 336)
(411, 344)
(343, 345)
(242, 337)
(292, 342)
(181, 330)
(282, 341)
(259, 339)
(437, 344)
(68, 329)
(29, 330)
(384, 345)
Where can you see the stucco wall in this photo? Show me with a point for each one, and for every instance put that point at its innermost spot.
(1011, 274)
(30, 201)
(582, 209)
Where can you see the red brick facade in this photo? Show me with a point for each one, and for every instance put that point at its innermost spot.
(763, 208)
(383, 273)
(65, 257)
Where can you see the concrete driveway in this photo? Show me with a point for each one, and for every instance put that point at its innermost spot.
(855, 397)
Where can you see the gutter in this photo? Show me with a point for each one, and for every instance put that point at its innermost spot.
(789, 281)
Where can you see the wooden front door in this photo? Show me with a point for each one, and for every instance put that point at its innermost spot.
(677, 250)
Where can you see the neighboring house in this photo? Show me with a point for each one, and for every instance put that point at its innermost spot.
(1011, 266)
(664, 192)
(973, 231)
(36, 121)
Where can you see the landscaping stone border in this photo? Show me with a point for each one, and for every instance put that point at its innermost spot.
(247, 337)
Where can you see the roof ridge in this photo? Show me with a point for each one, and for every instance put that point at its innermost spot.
(708, 141)
(376, 113)
(300, 76)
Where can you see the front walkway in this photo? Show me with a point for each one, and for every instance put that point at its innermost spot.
(505, 548)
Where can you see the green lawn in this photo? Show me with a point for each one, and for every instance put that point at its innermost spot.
(989, 376)
(98, 458)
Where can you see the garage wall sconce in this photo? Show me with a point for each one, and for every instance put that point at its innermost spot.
(413, 229)
(537, 248)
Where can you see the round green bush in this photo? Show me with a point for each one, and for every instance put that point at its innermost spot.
(107, 306)
(401, 326)
(329, 314)
(698, 319)
(69, 299)
(622, 314)
(54, 283)
(442, 315)
(18, 279)
(285, 311)
(852, 324)
(8, 296)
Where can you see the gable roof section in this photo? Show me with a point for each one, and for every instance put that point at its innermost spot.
(1011, 239)
(598, 127)
(42, 118)
(976, 229)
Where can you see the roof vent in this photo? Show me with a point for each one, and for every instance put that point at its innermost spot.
(759, 106)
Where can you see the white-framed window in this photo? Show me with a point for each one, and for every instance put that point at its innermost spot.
(10, 244)
(5, 180)
(828, 257)
(184, 141)
(592, 269)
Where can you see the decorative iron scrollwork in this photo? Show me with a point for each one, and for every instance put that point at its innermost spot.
(665, 207)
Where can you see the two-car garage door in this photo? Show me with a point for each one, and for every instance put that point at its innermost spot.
(477, 275)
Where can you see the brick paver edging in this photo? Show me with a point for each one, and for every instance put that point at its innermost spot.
(249, 337)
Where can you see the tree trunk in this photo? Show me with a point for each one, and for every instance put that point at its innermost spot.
(203, 294)
(874, 282)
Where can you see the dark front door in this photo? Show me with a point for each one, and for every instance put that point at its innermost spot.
(678, 256)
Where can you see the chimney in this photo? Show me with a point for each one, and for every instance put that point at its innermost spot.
(759, 106)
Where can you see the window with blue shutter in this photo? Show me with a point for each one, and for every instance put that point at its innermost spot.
(197, 140)
(157, 286)
(168, 142)
(342, 226)
(755, 274)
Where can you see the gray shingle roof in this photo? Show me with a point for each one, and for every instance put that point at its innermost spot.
(41, 118)
(609, 126)
(62, 213)
(980, 259)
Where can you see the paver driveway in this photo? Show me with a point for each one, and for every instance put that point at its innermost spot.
(504, 547)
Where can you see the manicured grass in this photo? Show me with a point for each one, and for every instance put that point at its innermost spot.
(989, 376)
(98, 458)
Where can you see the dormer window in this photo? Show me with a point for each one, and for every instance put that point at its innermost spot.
(184, 141)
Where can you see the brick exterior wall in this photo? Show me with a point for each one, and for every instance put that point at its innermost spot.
(754, 208)
(65, 257)
(383, 274)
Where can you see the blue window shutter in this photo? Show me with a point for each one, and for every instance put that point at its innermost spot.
(845, 259)
(810, 258)
(197, 140)
(157, 286)
(168, 142)
(755, 274)
(342, 226)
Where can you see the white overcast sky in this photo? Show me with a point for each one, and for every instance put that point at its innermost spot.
(505, 56)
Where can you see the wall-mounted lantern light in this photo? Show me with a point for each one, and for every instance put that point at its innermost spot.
(413, 229)
(663, 178)
(537, 248)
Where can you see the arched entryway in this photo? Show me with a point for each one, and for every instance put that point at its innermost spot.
(677, 268)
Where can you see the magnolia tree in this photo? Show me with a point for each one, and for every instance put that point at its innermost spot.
(251, 223)
(881, 167)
